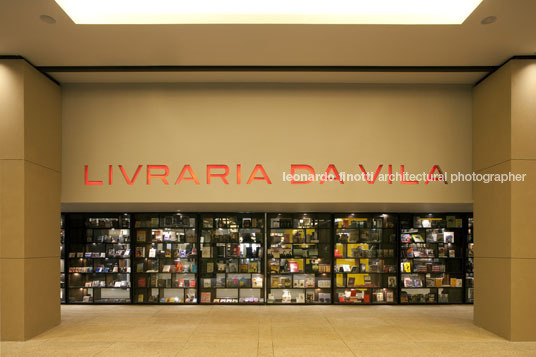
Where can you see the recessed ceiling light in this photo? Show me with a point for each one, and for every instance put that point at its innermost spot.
(47, 19)
(380, 12)
(488, 20)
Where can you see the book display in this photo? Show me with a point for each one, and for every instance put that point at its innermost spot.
(365, 259)
(62, 260)
(99, 264)
(431, 258)
(245, 258)
(299, 259)
(469, 270)
(232, 259)
(165, 259)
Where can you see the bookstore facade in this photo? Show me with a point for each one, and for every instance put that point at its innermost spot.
(243, 148)
(176, 193)
(315, 258)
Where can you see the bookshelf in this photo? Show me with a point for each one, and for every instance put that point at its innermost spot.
(431, 258)
(365, 259)
(299, 259)
(289, 258)
(469, 264)
(165, 259)
(62, 260)
(99, 258)
(232, 259)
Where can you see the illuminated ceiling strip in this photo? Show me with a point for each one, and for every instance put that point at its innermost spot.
(377, 12)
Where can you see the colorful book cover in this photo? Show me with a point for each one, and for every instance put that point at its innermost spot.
(205, 297)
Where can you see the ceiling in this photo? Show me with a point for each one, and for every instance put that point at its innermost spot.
(66, 44)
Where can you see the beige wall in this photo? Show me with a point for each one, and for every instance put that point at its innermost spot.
(273, 125)
(504, 127)
(30, 166)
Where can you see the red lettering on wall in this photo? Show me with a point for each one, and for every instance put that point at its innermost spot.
(160, 176)
(375, 174)
(431, 174)
(238, 174)
(221, 175)
(402, 180)
(86, 179)
(127, 179)
(259, 168)
(110, 174)
(192, 177)
(331, 168)
(294, 168)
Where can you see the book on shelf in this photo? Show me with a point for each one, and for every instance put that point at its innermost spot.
(205, 297)
(139, 267)
(293, 266)
(179, 267)
(324, 283)
(206, 252)
(210, 267)
(391, 281)
(157, 236)
(452, 253)
(207, 283)
(301, 283)
(166, 268)
(351, 282)
(233, 267)
(404, 298)
(324, 297)
(253, 267)
(141, 236)
(309, 283)
(389, 296)
(408, 282)
(378, 296)
(301, 298)
(417, 238)
(410, 253)
(140, 298)
(366, 298)
(152, 252)
(257, 282)
(286, 297)
(285, 281)
(448, 237)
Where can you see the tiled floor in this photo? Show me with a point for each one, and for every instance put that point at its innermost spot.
(267, 331)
